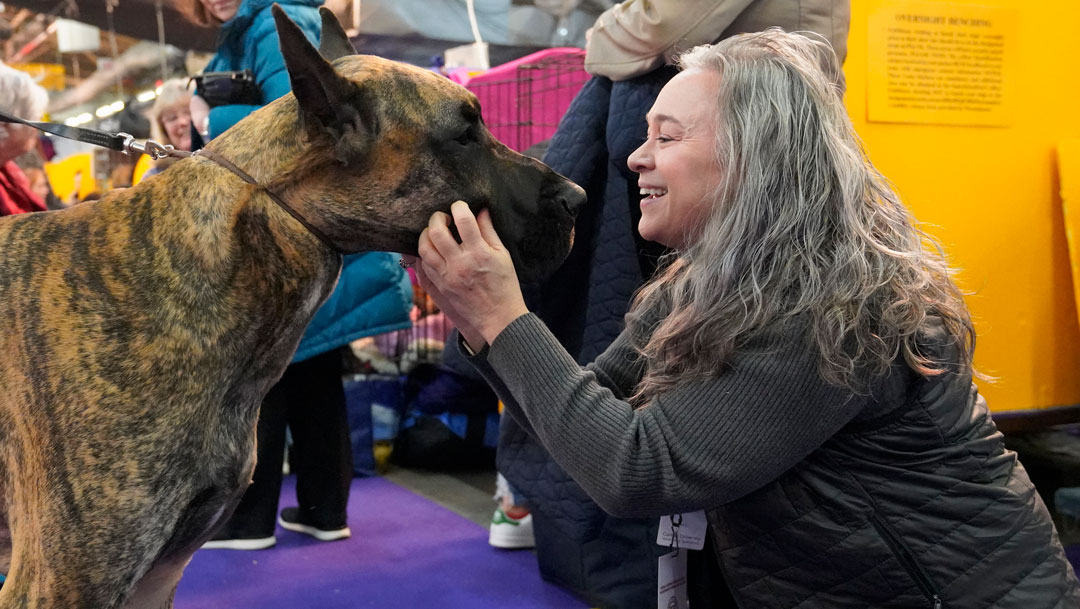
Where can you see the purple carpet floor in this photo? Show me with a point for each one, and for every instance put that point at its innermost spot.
(405, 552)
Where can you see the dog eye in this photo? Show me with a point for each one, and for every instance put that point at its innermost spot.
(466, 138)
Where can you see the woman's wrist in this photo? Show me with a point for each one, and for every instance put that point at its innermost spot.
(494, 326)
(472, 341)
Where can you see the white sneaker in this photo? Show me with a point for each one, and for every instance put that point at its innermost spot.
(511, 533)
(260, 543)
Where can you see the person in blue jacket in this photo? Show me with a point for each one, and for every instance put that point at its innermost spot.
(373, 295)
(248, 41)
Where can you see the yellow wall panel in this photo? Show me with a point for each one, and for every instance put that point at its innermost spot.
(991, 195)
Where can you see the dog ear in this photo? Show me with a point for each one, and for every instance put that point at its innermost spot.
(334, 42)
(330, 104)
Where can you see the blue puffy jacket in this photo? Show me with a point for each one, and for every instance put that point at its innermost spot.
(373, 294)
(249, 41)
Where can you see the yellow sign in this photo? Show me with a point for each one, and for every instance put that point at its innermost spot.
(72, 178)
(48, 75)
(939, 63)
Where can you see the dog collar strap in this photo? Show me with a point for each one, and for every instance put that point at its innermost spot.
(227, 164)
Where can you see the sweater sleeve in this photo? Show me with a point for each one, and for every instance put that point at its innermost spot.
(632, 37)
(704, 443)
(617, 369)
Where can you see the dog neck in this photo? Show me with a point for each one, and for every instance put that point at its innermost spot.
(229, 223)
(281, 167)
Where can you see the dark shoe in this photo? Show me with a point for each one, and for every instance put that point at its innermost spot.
(291, 519)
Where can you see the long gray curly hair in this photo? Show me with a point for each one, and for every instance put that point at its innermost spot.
(802, 224)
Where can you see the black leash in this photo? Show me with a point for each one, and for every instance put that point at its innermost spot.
(123, 142)
(112, 141)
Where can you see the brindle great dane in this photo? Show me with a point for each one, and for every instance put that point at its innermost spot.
(143, 330)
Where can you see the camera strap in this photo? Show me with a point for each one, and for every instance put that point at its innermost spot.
(123, 142)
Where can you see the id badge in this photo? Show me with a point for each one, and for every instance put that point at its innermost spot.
(671, 581)
(685, 531)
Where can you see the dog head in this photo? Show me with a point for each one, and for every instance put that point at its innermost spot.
(393, 143)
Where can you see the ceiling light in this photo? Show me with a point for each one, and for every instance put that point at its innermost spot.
(81, 119)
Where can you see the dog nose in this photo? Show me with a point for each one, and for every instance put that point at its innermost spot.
(571, 197)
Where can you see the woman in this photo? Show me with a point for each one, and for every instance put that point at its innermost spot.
(801, 370)
(248, 41)
(373, 295)
(21, 97)
(170, 120)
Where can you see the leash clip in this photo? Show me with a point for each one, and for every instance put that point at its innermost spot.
(151, 148)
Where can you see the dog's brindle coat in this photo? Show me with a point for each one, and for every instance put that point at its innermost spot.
(142, 331)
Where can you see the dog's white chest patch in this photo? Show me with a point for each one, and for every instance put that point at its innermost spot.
(314, 299)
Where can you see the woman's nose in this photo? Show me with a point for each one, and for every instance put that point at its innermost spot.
(640, 159)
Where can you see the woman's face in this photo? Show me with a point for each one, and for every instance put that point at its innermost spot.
(222, 10)
(677, 163)
(20, 139)
(176, 122)
(39, 184)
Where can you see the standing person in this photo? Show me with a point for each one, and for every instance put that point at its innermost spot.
(170, 121)
(19, 96)
(635, 37)
(373, 295)
(800, 368)
(248, 41)
(578, 545)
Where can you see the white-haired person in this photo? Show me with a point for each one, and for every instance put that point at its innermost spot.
(21, 97)
(800, 369)
(170, 120)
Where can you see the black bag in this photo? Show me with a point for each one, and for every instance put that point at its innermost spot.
(226, 88)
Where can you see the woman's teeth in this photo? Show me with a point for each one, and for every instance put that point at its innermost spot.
(653, 192)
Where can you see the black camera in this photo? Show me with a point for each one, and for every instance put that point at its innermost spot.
(225, 88)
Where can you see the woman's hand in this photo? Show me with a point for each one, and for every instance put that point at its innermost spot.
(472, 281)
(471, 335)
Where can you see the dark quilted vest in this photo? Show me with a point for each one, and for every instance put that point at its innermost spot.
(920, 508)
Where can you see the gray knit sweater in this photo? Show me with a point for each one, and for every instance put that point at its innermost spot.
(702, 444)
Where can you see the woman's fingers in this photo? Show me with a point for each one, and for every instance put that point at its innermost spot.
(441, 238)
(475, 229)
(465, 223)
(429, 254)
(487, 229)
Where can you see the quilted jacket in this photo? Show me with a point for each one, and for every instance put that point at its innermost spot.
(919, 505)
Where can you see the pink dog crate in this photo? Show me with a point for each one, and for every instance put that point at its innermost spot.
(523, 100)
